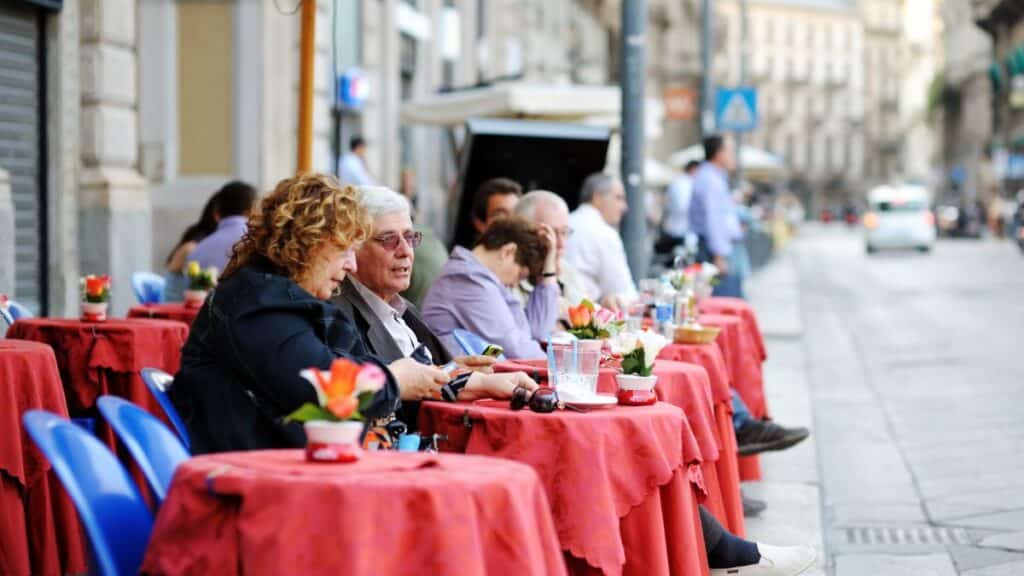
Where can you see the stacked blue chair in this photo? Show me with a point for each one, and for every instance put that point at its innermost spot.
(13, 312)
(153, 446)
(159, 384)
(148, 287)
(471, 343)
(114, 515)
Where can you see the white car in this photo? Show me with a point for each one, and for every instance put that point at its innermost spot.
(898, 217)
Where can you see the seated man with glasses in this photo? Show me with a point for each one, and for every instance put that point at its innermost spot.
(391, 327)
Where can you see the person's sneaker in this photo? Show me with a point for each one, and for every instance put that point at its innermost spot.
(752, 507)
(763, 435)
(775, 561)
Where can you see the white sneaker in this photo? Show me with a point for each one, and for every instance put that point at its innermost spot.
(775, 561)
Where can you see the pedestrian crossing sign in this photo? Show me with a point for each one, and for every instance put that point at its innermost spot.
(736, 109)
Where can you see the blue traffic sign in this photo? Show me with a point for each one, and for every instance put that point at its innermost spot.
(736, 109)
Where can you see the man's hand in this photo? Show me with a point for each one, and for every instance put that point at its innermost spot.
(722, 263)
(417, 381)
(551, 260)
(482, 364)
(500, 385)
(614, 303)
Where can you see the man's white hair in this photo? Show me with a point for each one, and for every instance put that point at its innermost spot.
(535, 200)
(380, 200)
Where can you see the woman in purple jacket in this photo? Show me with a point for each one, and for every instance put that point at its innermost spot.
(472, 291)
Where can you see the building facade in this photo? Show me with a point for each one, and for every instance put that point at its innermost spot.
(1004, 22)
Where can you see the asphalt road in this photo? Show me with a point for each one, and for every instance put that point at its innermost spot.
(915, 368)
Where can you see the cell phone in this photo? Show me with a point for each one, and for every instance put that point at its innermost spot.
(493, 350)
(449, 367)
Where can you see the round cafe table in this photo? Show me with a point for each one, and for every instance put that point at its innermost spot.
(166, 310)
(623, 493)
(38, 525)
(738, 307)
(687, 386)
(272, 512)
(742, 359)
(97, 358)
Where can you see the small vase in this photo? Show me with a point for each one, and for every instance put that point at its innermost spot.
(636, 390)
(333, 441)
(194, 298)
(94, 311)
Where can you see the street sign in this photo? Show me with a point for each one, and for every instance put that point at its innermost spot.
(353, 88)
(680, 102)
(736, 109)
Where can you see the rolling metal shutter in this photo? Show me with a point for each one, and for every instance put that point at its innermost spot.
(21, 141)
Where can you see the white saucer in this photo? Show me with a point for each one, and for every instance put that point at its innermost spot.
(588, 401)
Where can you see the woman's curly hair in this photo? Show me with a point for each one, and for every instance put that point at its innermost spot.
(296, 219)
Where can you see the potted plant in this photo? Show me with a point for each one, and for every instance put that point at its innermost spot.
(334, 425)
(704, 278)
(95, 298)
(199, 283)
(638, 351)
(592, 324)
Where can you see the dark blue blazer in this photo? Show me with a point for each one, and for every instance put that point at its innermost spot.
(240, 367)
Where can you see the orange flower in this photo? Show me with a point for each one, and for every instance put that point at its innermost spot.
(342, 406)
(343, 379)
(95, 285)
(580, 316)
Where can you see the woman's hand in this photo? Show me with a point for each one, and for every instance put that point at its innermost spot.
(500, 385)
(417, 381)
(478, 363)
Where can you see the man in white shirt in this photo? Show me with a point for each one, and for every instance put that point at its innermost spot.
(676, 225)
(595, 248)
(353, 165)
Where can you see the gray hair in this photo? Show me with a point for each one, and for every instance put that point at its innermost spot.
(379, 200)
(533, 200)
(597, 184)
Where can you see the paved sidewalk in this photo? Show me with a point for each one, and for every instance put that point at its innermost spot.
(791, 485)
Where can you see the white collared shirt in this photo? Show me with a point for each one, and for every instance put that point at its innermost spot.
(595, 249)
(390, 315)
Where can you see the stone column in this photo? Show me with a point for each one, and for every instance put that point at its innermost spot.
(115, 226)
(6, 235)
(63, 156)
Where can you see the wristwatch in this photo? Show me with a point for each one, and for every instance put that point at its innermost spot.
(450, 391)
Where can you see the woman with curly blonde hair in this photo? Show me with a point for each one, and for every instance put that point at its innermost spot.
(269, 318)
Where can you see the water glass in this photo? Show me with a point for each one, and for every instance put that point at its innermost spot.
(573, 370)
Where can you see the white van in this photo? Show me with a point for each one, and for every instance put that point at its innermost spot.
(899, 217)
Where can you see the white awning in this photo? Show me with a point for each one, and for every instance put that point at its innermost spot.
(569, 102)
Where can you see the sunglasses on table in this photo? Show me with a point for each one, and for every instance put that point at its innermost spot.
(390, 241)
(542, 400)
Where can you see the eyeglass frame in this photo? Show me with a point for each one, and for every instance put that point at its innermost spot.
(391, 240)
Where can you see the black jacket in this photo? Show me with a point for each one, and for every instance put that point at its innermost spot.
(376, 336)
(240, 366)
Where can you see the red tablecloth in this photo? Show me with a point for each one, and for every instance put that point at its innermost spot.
(105, 358)
(272, 512)
(742, 359)
(741, 308)
(166, 311)
(729, 464)
(39, 531)
(620, 489)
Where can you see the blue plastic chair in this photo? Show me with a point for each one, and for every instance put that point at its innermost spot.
(116, 519)
(13, 312)
(153, 446)
(471, 343)
(148, 287)
(159, 384)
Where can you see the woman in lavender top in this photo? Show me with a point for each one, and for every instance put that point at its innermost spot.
(473, 290)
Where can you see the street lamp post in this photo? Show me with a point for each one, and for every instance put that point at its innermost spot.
(634, 226)
(304, 160)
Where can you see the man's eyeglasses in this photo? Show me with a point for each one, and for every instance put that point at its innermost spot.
(563, 233)
(390, 241)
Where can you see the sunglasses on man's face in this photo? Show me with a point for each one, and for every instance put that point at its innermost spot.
(390, 241)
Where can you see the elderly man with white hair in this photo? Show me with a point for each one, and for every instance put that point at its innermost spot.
(549, 209)
(595, 247)
(391, 326)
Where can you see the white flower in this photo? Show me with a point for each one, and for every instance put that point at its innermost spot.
(623, 343)
(652, 343)
(708, 271)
